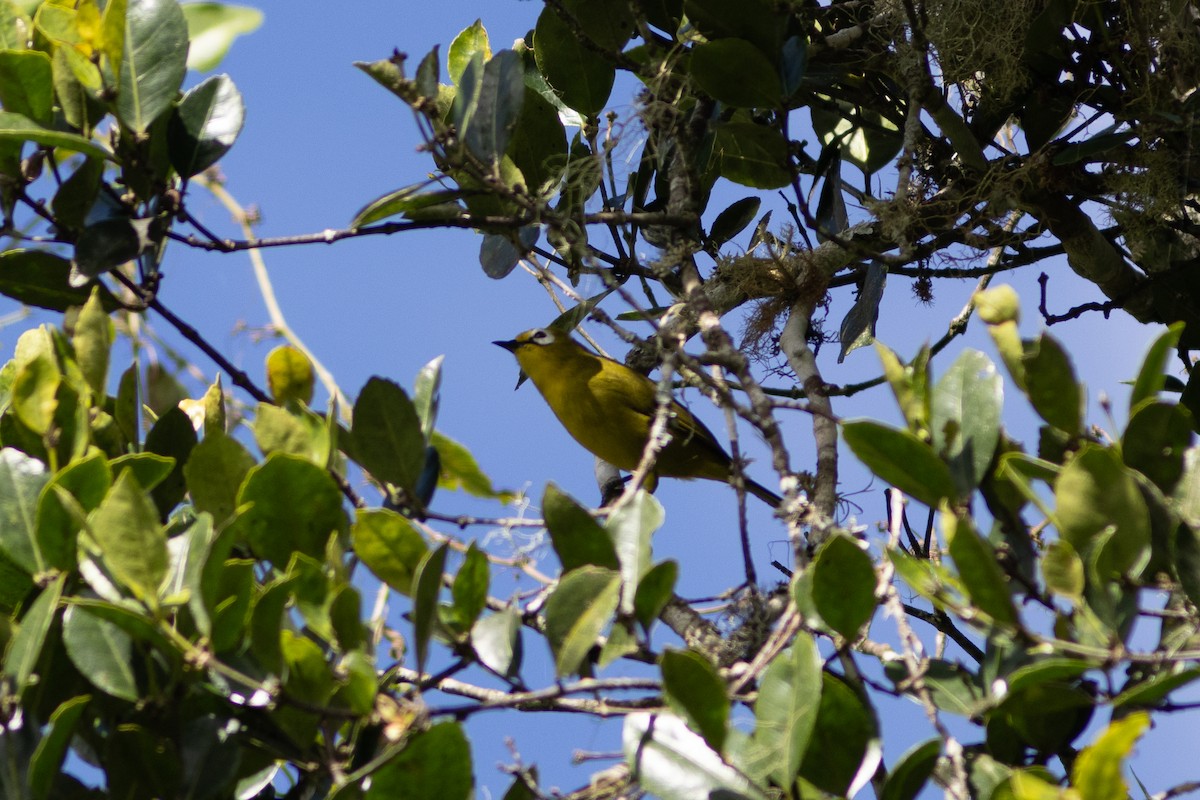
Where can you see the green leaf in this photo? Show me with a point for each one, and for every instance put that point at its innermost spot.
(538, 146)
(858, 326)
(411, 201)
(435, 765)
(901, 459)
(38, 278)
(101, 651)
(93, 339)
(26, 84)
(577, 611)
(736, 73)
(205, 125)
(580, 76)
(843, 585)
(25, 647)
(1062, 570)
(752, 155)
(132, 542)
(696, 692)
(35, 393)
(952, 686)
(979, 570)
(470, 587)
(389, 546)
(76, 490)
(212, 29)
(150, 469)
(1152, 375)
(488, 129)
(265, 623)
(630, 527)
(733, 220)
(426, 587)
(577, 538)
(1097, 772)
(965, 419)
(21, 481)
(297, 507)
(654, 591)
(290, 376)
(674, 763)
(153, 62)
(47, 760)
(174, 437)
(1096, 491)
(427, 390)
(308, 675)
(758, 21)
(911, 771)
(1151, 692)
(1155, 440)
(496, 640)
(1050, 381)
(387, 434)
(214, 473)
(467, 44)
(844, 750)
(19, 128)
(910, 385)
(786, 710)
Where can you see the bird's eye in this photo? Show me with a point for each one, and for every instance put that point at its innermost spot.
(542, 337)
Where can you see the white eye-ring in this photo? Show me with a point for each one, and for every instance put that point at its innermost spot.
(541, 336)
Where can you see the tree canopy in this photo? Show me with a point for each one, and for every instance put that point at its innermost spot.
(216, 591)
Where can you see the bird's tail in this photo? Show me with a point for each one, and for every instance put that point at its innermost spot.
(763, 493)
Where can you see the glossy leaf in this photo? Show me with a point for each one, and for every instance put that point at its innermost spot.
(1062, 570)
(153, 63)
(26, 85)
(654, 591)
(1155, 440)
(675, 763)
(1096, 491)
(496, 640)
(426, 587)
(459, 470)
(435, 765)
(843, 585)
(486, 130)
(214, 474)
(212, 29)
(751, 155)
(172, 436)
(910, 385)
(736, 73)
(16, 127)
(52, 749)
(757, 21)
(387, 434)
(911, 771)
(786, 710)
(132, 542)
(205, 125)
(901, 459)
(696, 692)
(25, 648)
(470, 588)
(979, 570)
(101, 651)
(577, 538)
(965, 419)
(844, 751)
(21, 481)
(580, 76)
(471, 41)
(1097, 773)
(1050, 381)
(38, 278)
(389, 546)
(733, 220)
(296, 508)
(64, 504)
(538, 146)
(858, 326)
(631, 526)
(578, 610)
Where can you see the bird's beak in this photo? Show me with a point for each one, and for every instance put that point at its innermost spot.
(510, 345)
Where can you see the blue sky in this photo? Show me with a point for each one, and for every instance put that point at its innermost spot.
(322, 139)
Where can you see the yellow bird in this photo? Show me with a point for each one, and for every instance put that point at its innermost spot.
(609, 409)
